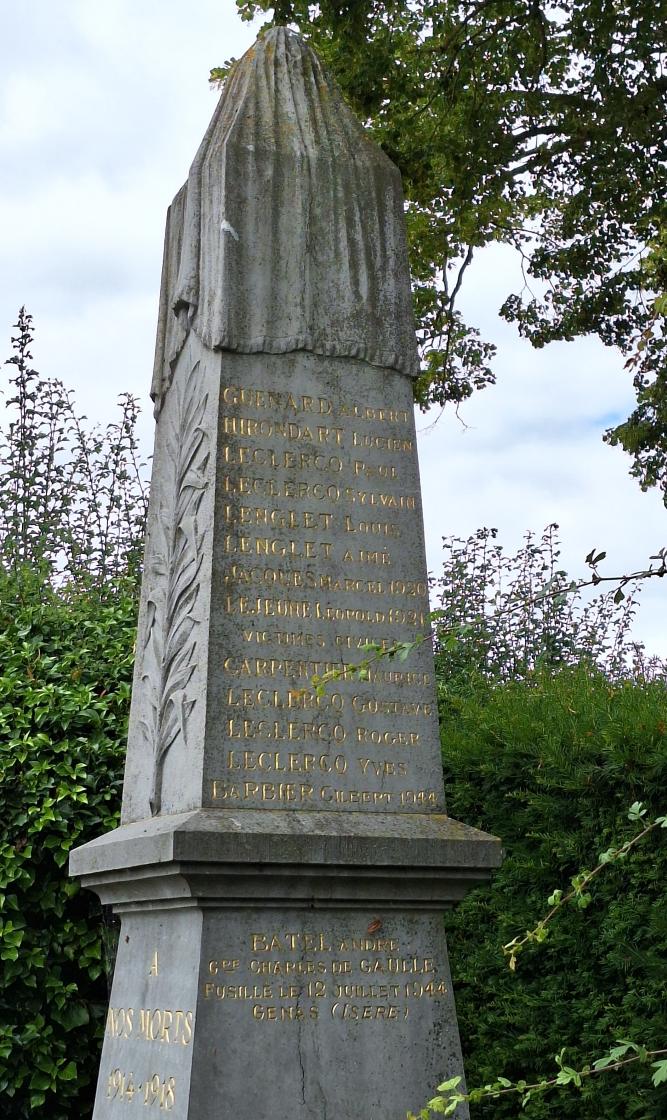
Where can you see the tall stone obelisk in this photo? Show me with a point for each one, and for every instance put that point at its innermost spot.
(283, 858)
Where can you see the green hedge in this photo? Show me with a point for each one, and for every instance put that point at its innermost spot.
(552, 765)
(65, 674)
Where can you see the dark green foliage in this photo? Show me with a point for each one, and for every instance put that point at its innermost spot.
(551, 729)
(644, 434)
(65, 677)
(550, 761)
(551, 764)
(539, 126)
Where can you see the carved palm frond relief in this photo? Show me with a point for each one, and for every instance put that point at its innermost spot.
(172, 623)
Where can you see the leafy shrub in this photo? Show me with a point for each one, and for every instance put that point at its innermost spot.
(543, 749)
(73, 500)
(72, 509)
(502, 616)
(65, 678)
(551, 764)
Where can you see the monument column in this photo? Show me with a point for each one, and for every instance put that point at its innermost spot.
(284, 857)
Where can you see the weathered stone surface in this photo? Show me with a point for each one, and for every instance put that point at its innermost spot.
(283, 858)
(313, 1017)
(294, 540)
(289, 233)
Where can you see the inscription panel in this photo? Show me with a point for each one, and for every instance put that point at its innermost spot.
(319, 555)
(313, 997)
(149, 1035)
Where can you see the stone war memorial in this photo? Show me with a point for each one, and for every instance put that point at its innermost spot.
(284, 858)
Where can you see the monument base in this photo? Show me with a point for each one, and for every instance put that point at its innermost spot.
(283, 965)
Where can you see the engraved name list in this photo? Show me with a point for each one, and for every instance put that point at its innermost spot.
(318, 501)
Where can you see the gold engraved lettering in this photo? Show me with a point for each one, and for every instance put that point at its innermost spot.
(293, 763)
(223, 965)
(374, 705)
(153, 971)
(407, 587)
(275, 401)
(348, 584)
(356, 1013)
(302, 639)
(119, 1023)
(255, 486)
(397, 676)
(299, 699)
(288, 968)
(367, 991)
(237, 991)
(278, 667)
(243, 456)
(383, 470)
(339, 968)
(307, 461)
(121, 1086)
(290, 730)
(382, 769)
(392, 616)
(273, 546)
(355, 641)
(308, 578)
(261, 517)
(419, 797)
(269, 607)
(330, 435)
(380, 557)
(414, 989)
(368, 945)
(291, 942)
(332, 796)
(381, 415)
(419, 966)
(376, 528)
(373, 500)
(302, 491)
(264, 791)
(151, 1024)
(283, 1014)
(251, 428)
(356, 978)
(164, 1025)
(387, 738)
(381, 443)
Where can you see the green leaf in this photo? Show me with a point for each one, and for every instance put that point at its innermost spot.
(40, 1080)
(636, 811)
(450, 1084)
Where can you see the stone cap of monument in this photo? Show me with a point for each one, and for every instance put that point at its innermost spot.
(289, 233)
(241, 857)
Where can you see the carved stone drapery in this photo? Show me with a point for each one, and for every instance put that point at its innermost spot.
(328, 273)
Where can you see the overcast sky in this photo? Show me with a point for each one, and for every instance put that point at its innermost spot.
(103, 105)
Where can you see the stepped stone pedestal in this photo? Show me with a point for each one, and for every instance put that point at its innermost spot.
(284, 855)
